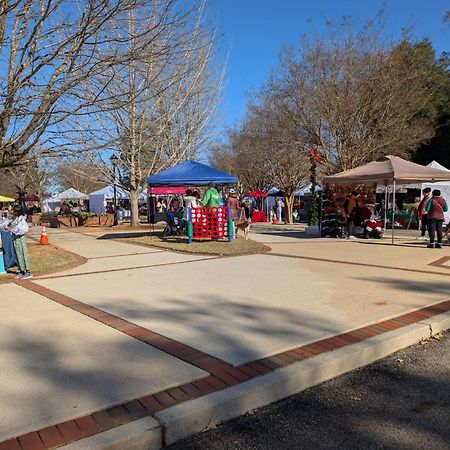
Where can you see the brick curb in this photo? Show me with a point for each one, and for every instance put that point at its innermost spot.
(183, 420)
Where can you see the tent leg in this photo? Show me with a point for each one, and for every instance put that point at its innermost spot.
(320, 212)
(385, 205)
(393, 209)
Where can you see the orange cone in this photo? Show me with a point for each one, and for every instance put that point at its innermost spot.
(44, 238)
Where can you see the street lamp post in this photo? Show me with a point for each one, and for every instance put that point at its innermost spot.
(114, 161)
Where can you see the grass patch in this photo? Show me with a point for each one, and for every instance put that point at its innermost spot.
(45, 259)
(237, 247)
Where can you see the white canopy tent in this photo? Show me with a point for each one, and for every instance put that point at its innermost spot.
(99, 199)
(69, 195)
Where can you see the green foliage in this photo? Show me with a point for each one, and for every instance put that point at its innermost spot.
(438, 109)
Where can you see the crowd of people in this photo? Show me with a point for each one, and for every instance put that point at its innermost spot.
(429, 212)
(178, 206)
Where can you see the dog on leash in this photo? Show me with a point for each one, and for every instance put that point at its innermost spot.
(244, 227)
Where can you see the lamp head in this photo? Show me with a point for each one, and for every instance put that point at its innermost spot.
(114, 160)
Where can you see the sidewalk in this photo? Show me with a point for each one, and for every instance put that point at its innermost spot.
(138, 333)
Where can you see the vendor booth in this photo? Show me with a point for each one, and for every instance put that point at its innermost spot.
(203, 222)
(258, 215)
(389, 170)
(98, 200)
(155, 193)
(69, 195)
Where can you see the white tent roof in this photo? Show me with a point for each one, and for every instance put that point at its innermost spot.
(70, 194)
(108, 192)
(436, 165)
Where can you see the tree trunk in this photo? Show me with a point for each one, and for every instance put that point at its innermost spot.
(134, 196)
(289, 204)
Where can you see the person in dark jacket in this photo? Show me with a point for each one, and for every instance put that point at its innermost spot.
(435, 208)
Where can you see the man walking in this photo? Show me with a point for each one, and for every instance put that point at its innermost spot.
(422, 214)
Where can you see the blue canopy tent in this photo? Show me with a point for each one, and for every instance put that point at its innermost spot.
(190, 173)
(187, 173)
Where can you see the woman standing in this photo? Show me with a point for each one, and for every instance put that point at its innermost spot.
(435, 208)
(19, 228)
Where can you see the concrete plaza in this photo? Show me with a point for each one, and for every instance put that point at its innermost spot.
(73, 345)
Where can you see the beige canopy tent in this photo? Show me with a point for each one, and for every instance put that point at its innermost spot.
(389, 170)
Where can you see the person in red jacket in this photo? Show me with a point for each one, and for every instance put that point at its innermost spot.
(435, 208)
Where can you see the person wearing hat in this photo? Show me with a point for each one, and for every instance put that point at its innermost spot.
(212, 196)
(233, 203)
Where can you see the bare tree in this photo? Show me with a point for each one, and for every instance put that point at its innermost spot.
(357, 96)
(79, 174)
(160, 107)
(270, 149)
(47, 49)
(236, 156)
(32, 178)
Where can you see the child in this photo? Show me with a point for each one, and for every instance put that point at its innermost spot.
(19, 228)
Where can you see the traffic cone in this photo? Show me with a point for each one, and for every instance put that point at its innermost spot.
(44, 238)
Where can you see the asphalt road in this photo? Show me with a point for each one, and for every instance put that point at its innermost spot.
(401, 402)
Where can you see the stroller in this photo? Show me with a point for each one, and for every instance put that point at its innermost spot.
(174, 226)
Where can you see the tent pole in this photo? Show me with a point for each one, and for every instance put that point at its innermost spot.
(320, 212)
(385, 204)
(393, 209)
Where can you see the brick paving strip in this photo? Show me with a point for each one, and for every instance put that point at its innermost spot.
(439, 263)
(221, 374)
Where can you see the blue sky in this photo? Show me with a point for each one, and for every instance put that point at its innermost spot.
(253, 31)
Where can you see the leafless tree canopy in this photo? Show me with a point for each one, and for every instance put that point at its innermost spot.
(78, 174)
(158, 102)
(352, 95)
(357, 96)
(47, 49)
(33, 177)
